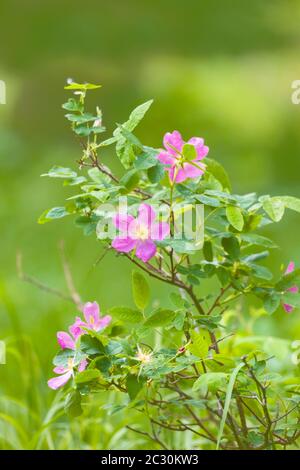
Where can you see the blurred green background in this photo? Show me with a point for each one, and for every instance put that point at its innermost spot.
(221, 70)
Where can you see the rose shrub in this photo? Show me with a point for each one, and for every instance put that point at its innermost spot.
(207, 374)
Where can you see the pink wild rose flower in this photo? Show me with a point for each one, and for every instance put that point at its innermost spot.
(172, 157)
(65, 373)
(291, 267)
(93, 320)
(139, 233)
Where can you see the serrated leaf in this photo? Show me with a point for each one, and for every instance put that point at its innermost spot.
(60, 172)
(81, 86)
(274, 207)
(235, 217)
(133, 386)
(87, 376)
(161, 317)
(52, 214)
(126, 315)
(140, 290)
(217, 170)
(271, 303)
(200, 343)
(231, 246)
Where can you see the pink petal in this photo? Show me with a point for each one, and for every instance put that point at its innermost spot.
(123, 244)
(65, 341)
(293, 289)
(82, 365)
(290, 268)
(201, 149)
(196, 141)
(91, 313)
(180, 176)
(104, 321)
(192, 171)
(60, 370)
(146, 215)
(175, 140)
(145, 250)
(76, 329)
(60, 381)
(166, 158)
(160, 230)
(288, 308)
(122, 221)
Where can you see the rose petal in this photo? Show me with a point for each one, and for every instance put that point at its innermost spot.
(288, 308)
(192, 171)
(60, 381)
(104, 321)
(123, 244)
(160, 230)
(145, 250)
(122, 221)
(65, 341)
(290, 268)
(76, 329)
(146, 215)
(82, 365)
(91, 313)
(166, 158)
(60, 370)
(174, 138)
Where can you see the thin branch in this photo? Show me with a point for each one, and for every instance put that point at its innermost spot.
(69, 278)
(35, 282)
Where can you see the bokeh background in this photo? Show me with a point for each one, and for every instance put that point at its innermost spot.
(218, 69)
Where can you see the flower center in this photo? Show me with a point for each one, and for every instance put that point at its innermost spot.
(142, 232)
(70, 363)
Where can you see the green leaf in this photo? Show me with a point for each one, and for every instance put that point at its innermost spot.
(73, 404)
(227, 401)
(126, 315)
(217, 170)
(189, 152)
(258, 240)
(235, 217)
(125, 149)
(231, 246)
(261, 271)
(288, 280)
(291, 298)
(87, 376)
(161, 317)
(200, 343)
(145, 161)
(210, 381)
(73, 105)
(208, 251)
(130, 180)
(81, 86)
(63, 356)
(140, 289)
(156, 173)
(52, 214)
(133, 386)
(91, 345)
(274, 207)
(291, 202)
(60, 172)
(208, 201)
(271, 303)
